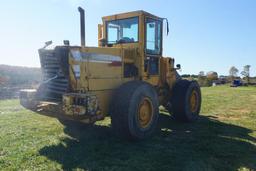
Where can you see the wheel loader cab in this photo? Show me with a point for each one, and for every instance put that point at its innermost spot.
(140, 31)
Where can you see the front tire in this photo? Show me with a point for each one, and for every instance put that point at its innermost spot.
(186, 101)
(134, 112)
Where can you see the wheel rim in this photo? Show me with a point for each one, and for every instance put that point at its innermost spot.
(145, 113)
(193, 101)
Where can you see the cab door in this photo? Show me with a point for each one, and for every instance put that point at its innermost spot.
(153, 48)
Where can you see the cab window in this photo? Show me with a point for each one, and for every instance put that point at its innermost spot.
(123, 31)
(153, 36)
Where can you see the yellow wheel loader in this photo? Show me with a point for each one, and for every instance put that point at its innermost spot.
(125, 77)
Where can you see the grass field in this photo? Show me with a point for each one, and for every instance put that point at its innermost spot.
(224, 138)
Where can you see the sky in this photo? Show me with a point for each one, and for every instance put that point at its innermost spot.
(205, 35)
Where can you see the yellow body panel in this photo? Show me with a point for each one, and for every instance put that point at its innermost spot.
(99, 70)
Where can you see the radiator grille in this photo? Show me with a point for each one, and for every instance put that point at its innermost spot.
(54, 84)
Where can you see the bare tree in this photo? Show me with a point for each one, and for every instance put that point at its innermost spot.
(201, 74)
(233, 72)
(246, 72)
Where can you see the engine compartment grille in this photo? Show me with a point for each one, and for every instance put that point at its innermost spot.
(54, 83)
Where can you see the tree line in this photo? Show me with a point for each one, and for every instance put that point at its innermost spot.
(212, 77)
(13, 76)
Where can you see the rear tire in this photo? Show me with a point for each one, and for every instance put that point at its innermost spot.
(134, 111)
(186, 101)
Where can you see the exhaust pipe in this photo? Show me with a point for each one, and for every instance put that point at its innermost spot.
(82, 26)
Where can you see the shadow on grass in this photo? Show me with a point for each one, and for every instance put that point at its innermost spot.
(205, 145)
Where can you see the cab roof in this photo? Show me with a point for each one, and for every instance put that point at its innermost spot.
(129, 15)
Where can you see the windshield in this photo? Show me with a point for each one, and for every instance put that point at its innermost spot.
(123, 31)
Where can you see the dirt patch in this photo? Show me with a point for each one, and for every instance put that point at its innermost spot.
(231, 117)
(241, 111)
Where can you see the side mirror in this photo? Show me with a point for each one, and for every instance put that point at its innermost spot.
(66, 42)
(178, 66)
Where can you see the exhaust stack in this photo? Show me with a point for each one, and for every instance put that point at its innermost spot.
(82, 26)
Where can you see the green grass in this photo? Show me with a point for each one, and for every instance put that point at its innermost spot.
(224, 138)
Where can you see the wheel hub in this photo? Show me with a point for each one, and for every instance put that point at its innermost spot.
(193, 101)
(145, 113)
